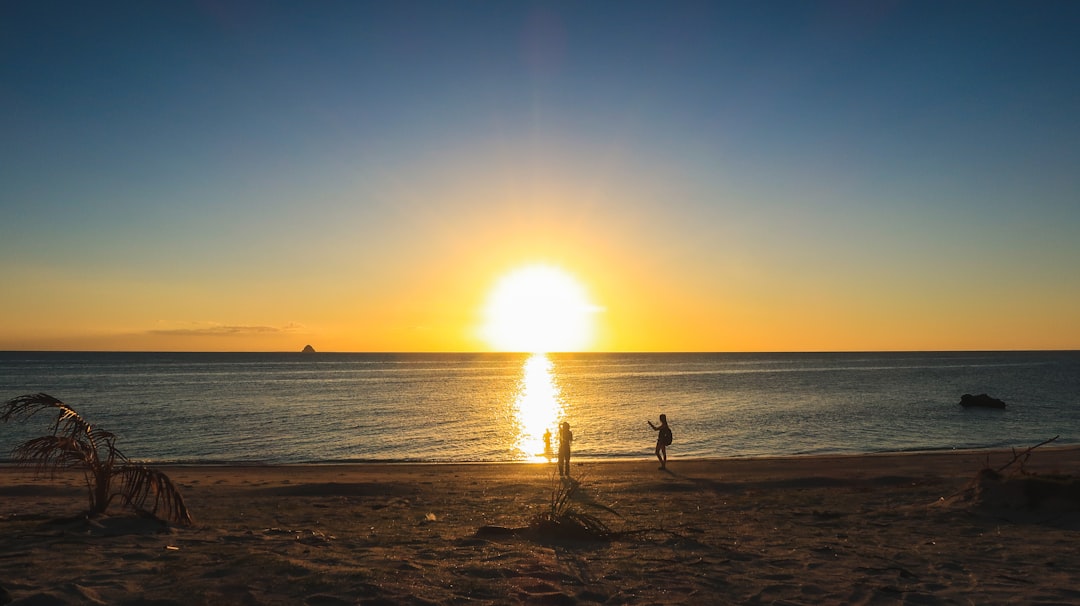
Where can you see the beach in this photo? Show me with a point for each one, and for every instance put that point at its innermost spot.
(871, 529)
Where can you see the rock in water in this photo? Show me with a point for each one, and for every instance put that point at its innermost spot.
(308, 349)
(980, 401)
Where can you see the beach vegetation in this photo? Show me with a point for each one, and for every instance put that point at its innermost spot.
(73, 443)
(571, 515)
(565, 517)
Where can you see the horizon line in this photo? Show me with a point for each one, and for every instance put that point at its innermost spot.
(398, 352)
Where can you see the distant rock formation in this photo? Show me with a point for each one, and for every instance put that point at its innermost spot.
(980, 401)
(308, 349)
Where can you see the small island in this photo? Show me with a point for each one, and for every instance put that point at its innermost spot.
(308, 349)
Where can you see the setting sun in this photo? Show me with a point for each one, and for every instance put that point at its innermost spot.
(538, 308)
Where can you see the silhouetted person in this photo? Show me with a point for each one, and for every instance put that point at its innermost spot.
(565, 438)
(663, 439)
(547, 445)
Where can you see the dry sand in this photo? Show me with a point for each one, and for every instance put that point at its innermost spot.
(894, 529)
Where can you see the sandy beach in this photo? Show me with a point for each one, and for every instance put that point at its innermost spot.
(882, 529)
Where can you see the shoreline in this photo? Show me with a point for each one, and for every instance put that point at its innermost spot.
(830, 529)
(592, 460)
(10, 463)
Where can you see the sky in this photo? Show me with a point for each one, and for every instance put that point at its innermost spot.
(717, 176)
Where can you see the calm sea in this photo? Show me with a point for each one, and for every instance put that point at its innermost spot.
(289, 408)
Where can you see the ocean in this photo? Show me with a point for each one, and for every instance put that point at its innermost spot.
(356, 407)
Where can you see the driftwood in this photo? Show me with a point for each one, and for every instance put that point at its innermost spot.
(1019, 490)
(1022, 457)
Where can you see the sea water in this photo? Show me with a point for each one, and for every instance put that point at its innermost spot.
(325, 407)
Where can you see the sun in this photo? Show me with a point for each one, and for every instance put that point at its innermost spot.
(538, 309)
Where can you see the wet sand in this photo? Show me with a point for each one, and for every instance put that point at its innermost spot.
(882, 529)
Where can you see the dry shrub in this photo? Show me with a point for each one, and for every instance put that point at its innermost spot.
(564, 517)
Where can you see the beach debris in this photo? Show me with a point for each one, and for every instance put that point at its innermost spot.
(1023, 456)
(312, 537)
(430, 517)
(306, 536)
(1056, 493)
(491, 531)
(1020, 490)
(73, 443)
(981, 401)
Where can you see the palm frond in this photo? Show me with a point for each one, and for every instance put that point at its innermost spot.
(103, 445)
(68, 422)
(48, 454)
(73, 443)
(26, 406)
(590, 524)
(77, 441)
(139, 483)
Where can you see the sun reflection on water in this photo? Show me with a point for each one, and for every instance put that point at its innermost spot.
(538, 407)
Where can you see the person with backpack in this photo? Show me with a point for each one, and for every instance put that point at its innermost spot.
(663, 440)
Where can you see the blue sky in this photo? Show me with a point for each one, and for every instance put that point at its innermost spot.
(729, 151)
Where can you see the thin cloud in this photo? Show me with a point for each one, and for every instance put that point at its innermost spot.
(224, 330)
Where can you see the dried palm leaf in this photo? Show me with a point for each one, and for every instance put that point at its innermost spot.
(73, 443)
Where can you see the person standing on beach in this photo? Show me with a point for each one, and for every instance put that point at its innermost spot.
(663, 440)
(565, 438)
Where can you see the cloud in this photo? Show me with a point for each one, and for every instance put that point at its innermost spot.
(205, 329)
